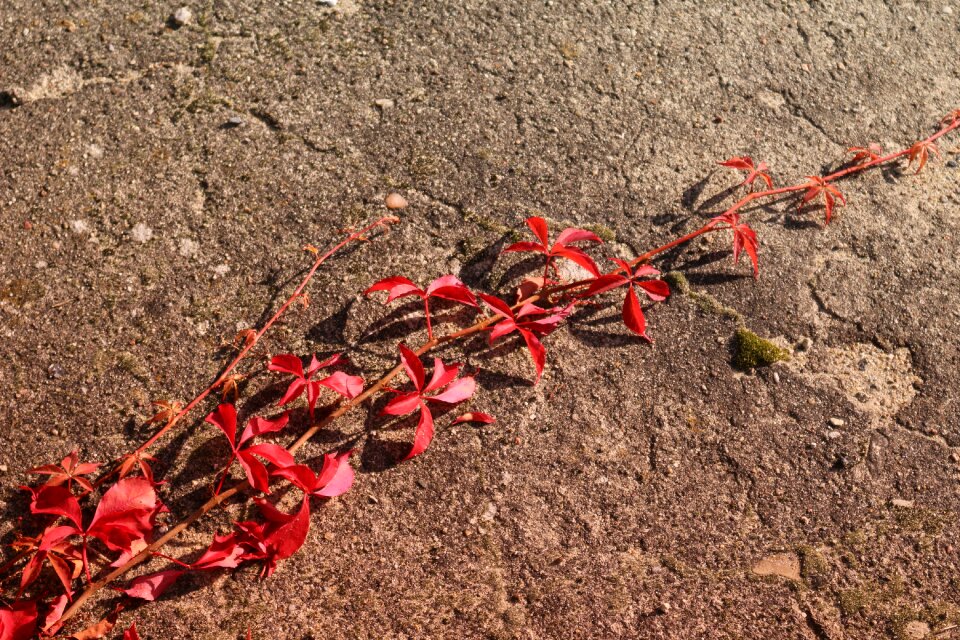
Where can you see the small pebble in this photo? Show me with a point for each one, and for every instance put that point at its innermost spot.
(55, 371)
(836, 422)
(235, 121)
(384, 103)
(955, 457)
(833, 435)
(804, 344)
(776, 377)
(396, 201)
(903, 504)
(182, 16)
(54, 432)
(663, 607)
(141, 233)
(4, 468)
(328, 3)
(947, 9)
(952, 164)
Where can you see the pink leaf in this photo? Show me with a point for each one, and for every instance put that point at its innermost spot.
(346, 385)
(458, 391)
(475, 416)
(424, 433)
(342, 478)
(576, 235)
(257, 426)
(442, 374)
(151, 586)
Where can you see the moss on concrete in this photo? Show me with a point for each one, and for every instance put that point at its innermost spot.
(750, 351)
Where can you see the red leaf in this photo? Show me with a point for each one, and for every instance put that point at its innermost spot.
(286, 539)
(18, 621)
(633, 315)
(125, 513)
(579, 257)
(397, 286)
(55, 500)
(475, 416)
(523, 247)
(402, 404)
(225, 419)
(605, 283)
(424, 433)
(286, 363)
(537, 351)
(346, 385)
(539, 227)
(151, 586)
(442, 374)
(413, 366)
(257, 426)
(497, 305)
(223, 552)
(656, 290)
(131, 633)
(570, 234)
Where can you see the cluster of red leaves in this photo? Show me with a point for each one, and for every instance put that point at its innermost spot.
(745, 163)
(406, 402)
(559, 249)
(346, 385)
(445, 287)
(817, 186)
(225, 419)
(744, 239)
(656, 290)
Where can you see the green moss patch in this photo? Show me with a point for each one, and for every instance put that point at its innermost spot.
(750, 351)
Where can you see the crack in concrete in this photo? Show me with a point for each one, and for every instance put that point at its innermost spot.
(797, 111)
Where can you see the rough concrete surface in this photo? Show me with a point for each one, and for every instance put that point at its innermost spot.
(639, 491)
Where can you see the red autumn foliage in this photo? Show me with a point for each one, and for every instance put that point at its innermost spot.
(560, 248)
(818, 186)
(656, 290)
(869, 153)
(123, 520)
(18, 621)
(745, 163)
(405, 402)
(69, 470)
(920, 152)
(346, 385)
(744, 238)
(445, 287)
(530, 321)
(225, 419)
